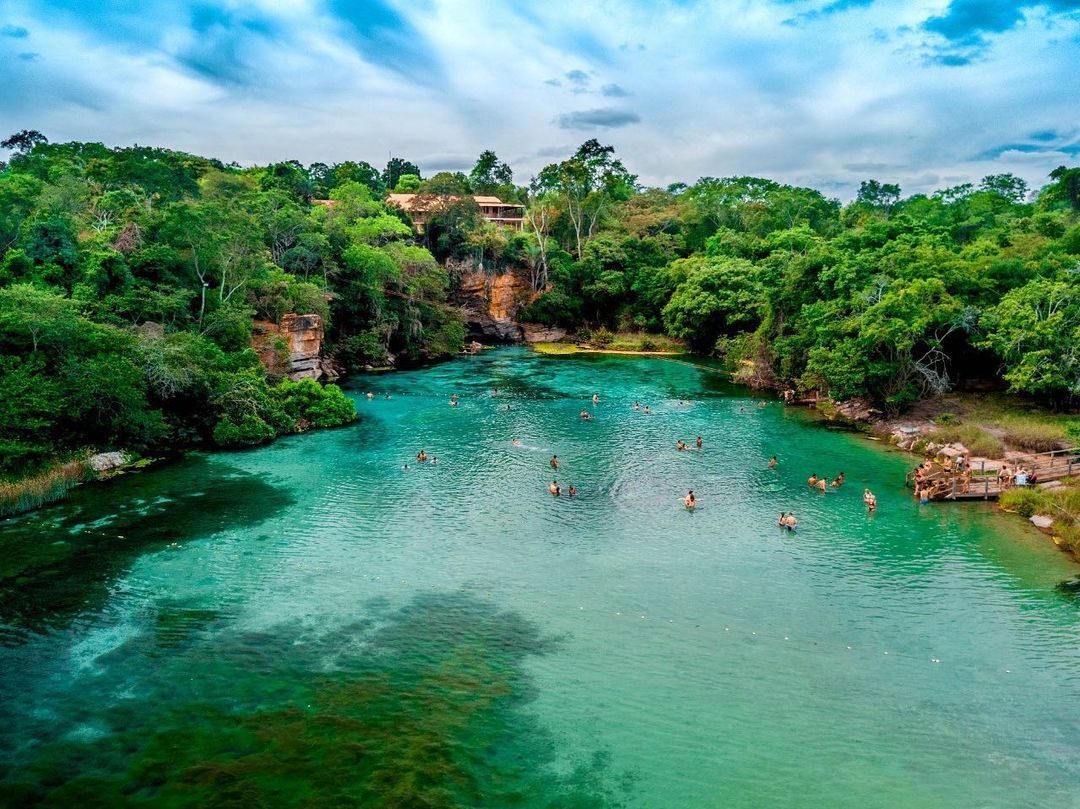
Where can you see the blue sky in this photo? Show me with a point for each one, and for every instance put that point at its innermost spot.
(813, 92)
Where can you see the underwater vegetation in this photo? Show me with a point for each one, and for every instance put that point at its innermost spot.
(426, 706)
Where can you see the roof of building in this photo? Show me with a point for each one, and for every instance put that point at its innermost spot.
(423, 202)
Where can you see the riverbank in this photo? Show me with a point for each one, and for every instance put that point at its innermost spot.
(991, 430)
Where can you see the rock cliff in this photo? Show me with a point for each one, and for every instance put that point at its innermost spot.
(293, 347)
(491, 304)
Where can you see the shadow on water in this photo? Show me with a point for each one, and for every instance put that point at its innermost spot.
(60, 561)
(423, 707)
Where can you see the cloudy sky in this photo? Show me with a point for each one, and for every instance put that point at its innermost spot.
(813, 92)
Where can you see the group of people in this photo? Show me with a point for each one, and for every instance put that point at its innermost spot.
(680, 445)
(816, 482)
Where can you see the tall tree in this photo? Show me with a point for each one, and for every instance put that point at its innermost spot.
(586, 184)
(489, 174)
(395, 168)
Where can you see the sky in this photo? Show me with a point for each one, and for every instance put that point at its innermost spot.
(821, 93)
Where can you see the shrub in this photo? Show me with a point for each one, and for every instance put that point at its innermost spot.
(251, 430)
(1024, 501)
(944, 418)
(603, 337)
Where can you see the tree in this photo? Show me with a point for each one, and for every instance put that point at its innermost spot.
(395, 168)
(719, 296)
(24, 141)
(1009, 186)
(586, 184)
(1035, 329)
(878, 195)
(490, 173)
(446, 183)
(408, 184)
(1066, 187)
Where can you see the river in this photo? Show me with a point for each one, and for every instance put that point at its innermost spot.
(310, 624)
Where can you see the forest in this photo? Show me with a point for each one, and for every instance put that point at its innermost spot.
(130, 279)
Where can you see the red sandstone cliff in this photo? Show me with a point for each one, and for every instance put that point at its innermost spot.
(292, 348)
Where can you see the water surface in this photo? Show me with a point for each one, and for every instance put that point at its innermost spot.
(310, 624)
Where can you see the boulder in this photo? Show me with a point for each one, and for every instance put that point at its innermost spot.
(106, 461)
(1042, 521)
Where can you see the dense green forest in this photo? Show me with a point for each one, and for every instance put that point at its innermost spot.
(130, 279)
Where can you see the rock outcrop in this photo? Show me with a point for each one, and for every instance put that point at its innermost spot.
(491, 304)
(293, 347)
(536, 333)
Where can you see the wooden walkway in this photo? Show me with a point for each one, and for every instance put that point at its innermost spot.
(1047, 466)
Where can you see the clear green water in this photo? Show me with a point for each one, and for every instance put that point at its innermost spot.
(307, 624)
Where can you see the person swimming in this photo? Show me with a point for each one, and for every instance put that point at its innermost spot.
(690, 501)
(554, 462)
(772, 462)
(790, 522)
(812, 480)
(405, 467)
(838, 481)
(585, 415)
(507, 406)
(680, 445)
(453, 402)
(421, 456)
(516, 442)
(637, 406)
(570, 490)
(386, 395)
(698, 442)
(647, 410)
(596, 398)
(554, 488)
(821, 484)
(370, 395)
(870, 500)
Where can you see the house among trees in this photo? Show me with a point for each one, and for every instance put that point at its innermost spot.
(493, 209)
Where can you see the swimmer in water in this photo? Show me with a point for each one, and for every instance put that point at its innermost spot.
(435, 460)
(680, 445)
(585, 415)
(821, 484)
(870, 500)
(405, 467)
(698, 442)
(790, 522)
(370, 395)
(637, 406)
(782, 522)
(507, 407)
(554, 488)
(571, 491)
(772, 462)
(647, 411)
(812, 480)
(690, 501)
(554, 462)
(838, 481)
(453, 402)
(515, 442)
(421, 456)
(386, 395)
(596, 398)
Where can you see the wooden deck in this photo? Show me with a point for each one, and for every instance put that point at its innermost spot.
(1048, 466)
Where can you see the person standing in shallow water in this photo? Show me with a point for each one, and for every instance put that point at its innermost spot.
(554, 488)
(690, 501)
(554, 462)
(698, 442)
(772, 462)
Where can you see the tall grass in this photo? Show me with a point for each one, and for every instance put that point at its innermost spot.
(975, 438)
(46, 487)
(1063, 504)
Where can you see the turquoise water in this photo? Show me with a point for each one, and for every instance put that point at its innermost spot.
(310, 624)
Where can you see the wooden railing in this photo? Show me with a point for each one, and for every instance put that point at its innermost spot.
(1044, 466)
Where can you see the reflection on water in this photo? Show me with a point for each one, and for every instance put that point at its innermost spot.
(419, 707)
